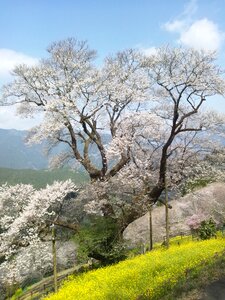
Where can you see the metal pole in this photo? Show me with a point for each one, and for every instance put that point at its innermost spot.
(54, 258)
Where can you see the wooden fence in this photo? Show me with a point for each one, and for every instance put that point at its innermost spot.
(47, 286)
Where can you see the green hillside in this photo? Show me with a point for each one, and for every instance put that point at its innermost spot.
(39, 178)
(156, 275)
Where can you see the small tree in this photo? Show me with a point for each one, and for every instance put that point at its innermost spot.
(201, 226)
(194, 222)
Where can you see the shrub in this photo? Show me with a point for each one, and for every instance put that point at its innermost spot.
(207, 229)
(193, 184)
(99, 238)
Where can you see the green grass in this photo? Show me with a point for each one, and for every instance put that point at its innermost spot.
(150, 276)
(40, 178)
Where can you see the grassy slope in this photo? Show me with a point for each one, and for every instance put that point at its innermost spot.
(39, 178)
(151, 276)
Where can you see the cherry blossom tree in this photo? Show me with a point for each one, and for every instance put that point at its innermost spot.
(171, 136)
(25, 217)
(25, 212)
(152, 108)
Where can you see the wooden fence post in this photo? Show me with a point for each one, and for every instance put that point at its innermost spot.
(54, 258)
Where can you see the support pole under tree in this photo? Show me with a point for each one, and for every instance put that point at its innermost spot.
(150, 228)
(166, 214)
(54, 258)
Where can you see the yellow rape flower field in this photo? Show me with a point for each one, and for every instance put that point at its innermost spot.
(148, 276)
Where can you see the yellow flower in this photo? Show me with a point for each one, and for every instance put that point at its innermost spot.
(151, 274)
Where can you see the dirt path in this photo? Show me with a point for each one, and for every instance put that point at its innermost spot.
(215, 291)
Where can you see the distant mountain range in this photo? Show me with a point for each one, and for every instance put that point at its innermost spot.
(20, 163)
(15, 154)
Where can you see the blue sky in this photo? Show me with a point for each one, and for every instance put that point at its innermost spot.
(29, 26)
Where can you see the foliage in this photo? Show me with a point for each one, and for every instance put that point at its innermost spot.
(201, 226)
(209, 169)
(40, 178)
(192, 185)
(152, 275)
(207, 229)
(18, 293)
(99, 238)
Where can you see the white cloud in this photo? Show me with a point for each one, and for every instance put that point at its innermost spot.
(202, 34)
(10, 58)
(199, 34)
(181, 22)
(9, 119)
(174, 26)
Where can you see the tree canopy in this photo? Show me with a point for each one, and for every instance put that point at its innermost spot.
(151, 107)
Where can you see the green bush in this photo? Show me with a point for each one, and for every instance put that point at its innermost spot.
(192, 185)
(18, 293)
(99, 238)
(207, 229)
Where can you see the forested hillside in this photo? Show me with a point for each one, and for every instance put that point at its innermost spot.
(40, 178)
